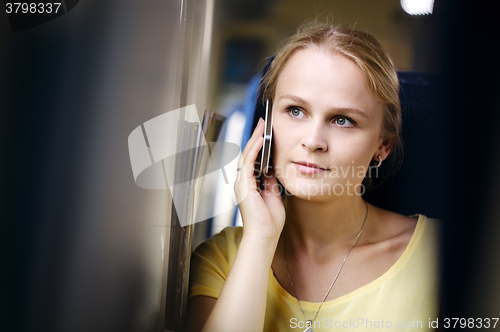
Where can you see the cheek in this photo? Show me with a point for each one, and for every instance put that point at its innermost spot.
(284, 144)
(348, 149)
(281, 141)
(278, 152)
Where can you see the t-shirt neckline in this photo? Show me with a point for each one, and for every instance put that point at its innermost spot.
(347, 297)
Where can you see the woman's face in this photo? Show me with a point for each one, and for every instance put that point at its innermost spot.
(323, 113)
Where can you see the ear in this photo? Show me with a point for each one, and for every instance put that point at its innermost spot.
(383, 150)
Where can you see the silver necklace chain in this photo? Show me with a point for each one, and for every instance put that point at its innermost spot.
(336, 276)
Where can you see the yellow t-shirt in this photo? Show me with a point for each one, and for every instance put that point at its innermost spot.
(405, 298)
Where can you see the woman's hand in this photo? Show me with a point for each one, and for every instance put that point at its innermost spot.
(241, 305)
(262, 212)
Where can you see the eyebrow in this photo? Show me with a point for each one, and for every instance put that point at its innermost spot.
(304, 102)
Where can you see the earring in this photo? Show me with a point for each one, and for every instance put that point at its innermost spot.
(379, 161)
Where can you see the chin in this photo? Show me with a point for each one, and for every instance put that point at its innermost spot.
(307, 189)
(320, 190)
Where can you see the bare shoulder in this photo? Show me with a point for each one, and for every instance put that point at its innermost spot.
(395, 218)
(388, 236)
(405, 224)
(393, 227)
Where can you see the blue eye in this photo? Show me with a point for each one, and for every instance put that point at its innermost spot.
(344, 121)
(294, 112)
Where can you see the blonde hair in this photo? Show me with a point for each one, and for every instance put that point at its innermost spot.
(358, 46)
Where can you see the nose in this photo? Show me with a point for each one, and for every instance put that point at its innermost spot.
(314, 138)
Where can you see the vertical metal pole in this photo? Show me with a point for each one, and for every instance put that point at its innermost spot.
(180, 237)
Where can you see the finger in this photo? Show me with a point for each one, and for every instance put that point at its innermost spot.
(248, 168)
(250, 148)
(258, 132)
(245, 179)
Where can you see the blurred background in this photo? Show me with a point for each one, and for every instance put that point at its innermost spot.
(247, 32)
(83, 248)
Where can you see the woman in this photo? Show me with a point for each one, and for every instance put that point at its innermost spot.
(320, 258)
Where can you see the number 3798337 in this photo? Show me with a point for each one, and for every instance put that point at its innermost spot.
(32, 7)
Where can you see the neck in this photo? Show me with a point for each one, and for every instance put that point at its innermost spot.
(316, 227)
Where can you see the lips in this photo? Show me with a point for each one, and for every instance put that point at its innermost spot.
(311, 165)
(308, 168)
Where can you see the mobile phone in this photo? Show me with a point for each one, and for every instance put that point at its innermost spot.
(268, 136)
